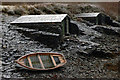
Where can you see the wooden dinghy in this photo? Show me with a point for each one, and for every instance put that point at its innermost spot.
(41, 61)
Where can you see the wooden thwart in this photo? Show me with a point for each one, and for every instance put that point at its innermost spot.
(41, 62)
(53, 60)
(29, 61)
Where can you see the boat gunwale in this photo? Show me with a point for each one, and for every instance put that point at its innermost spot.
(41, 53)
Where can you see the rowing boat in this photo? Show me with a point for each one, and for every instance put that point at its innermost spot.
(41, 61)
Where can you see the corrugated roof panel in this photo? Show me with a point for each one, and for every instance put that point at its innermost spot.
(87, 15)
(40, 18)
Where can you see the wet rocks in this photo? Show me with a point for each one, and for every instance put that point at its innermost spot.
(11, 12)
(77, 49)
(107, 30)
(19, 10)
(5, 9)
(101, 54)
(115, 24)
(47, 10)
(5, 64)
(32, 10)
(74, 29)
(86, 29)
(17, 56)
(50, 39)
(83, 46)
(113, 67)
(89, 47)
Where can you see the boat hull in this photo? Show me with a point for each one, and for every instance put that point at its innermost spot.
(41, 61)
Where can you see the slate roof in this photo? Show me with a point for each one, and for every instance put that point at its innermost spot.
(87, 15)
(40, 18)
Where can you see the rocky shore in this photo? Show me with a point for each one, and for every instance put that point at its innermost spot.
(91, 51)
(91, 54)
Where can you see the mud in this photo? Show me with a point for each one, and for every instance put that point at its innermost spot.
(87, 54)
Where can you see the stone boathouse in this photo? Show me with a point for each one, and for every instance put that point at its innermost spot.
(49, 22)
(48, 29)
(95, 18)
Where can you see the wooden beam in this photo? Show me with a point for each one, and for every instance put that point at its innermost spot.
(67, 25)
(30, 62)
(41, 62)
(53, 60)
